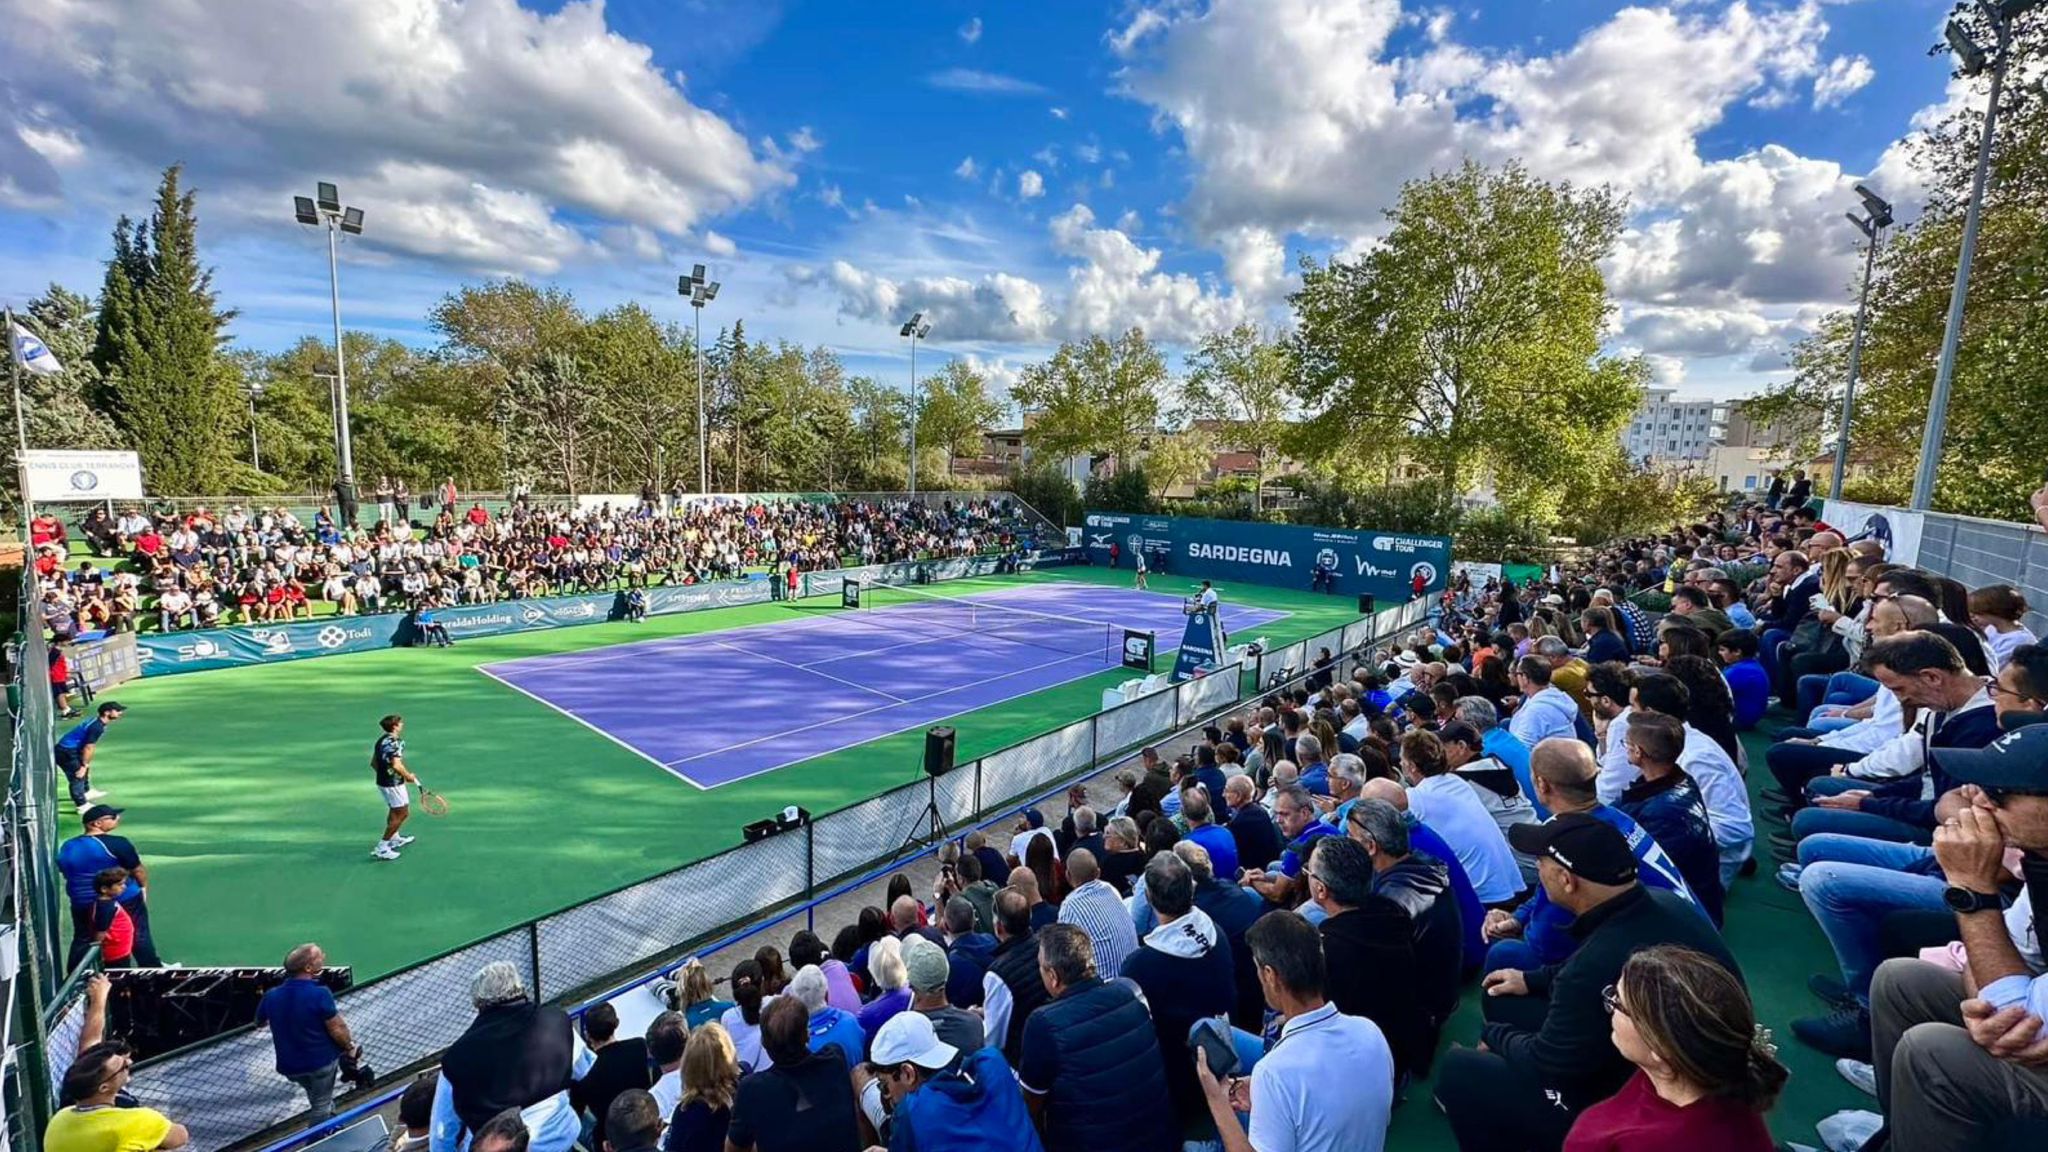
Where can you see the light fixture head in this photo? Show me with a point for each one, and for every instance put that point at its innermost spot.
(697, 274)
(352, 221)
(711, 290)
(923, 330)
(1880, 210)
(1864, 226)
(329, 196)
(302, 208)
(1959, 42)
(683, 284)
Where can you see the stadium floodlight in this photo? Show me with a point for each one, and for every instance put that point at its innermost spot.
(695, 287)
(1975, 59)
(325, 210)
(1872, 227)
(916, 328)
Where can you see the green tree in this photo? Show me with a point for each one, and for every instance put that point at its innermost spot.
(58, 408)
(1469, 340)
(553, 421)
(157, 348)
(1243, 381)
(646, 373)
(956, 410)
(881, 422)
(1125, 490)
(1181, 458)
(1100, 397)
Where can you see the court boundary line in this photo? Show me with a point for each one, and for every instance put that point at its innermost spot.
(551, 705)
(855, 685)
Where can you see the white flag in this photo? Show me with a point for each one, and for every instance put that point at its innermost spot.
(33, 354)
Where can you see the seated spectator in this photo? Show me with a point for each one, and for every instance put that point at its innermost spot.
(944, 1099)
(742, 1021)
(1603, 639)
(976, 888)
(1705, 1072)
(1748, 684)
(1222, 847)
(1420, 886)
(1996, 611)
(1666, 803)
(1091, 1067)
(1423, 839)
(1294, 811)
(1720, 781)
(829, 1027)
(1251, 827)
(930, 972)
(1234, 909)
(891, 986)
(620, 1063)
(1012, 990)
(1449, 804)
(635, 1122)
(1096, 908)
(1123, 855)
(1368, 942)
(1290, 1098)
(1545, 710)
(1185, 971)
(1802, 755)
(711, 1082)
(92, 1121)
(516, 1054)
(416, 1114)
(1547, 1053)
(803, 1101)
(1492, 781)
(695, 996)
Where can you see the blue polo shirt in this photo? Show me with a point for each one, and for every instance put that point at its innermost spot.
(1292, 858)
(833, 1028)
(1222, 849)
(297, 1012)
(83, 857)
(87, 732)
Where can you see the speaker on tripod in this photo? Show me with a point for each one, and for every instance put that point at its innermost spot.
(930, 826)
(1365, 604)
(938, 751)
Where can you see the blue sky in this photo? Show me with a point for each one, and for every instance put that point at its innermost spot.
(1025, 173)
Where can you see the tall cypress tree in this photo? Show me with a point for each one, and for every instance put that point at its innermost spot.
(160, 331)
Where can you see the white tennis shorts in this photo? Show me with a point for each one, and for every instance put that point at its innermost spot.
(395, 796)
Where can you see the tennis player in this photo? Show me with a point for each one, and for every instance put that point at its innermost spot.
(1139, 556)
(388, 760)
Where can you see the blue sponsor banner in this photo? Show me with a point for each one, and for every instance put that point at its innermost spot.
(1383, 564)
(162, 654)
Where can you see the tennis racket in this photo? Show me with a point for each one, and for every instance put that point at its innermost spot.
(433, 803)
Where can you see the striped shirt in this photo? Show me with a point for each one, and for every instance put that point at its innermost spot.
(1096, 909)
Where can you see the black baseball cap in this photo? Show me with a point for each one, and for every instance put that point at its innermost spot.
(107, 706)
(1586, 846)
(2018, 759)
(99, 812)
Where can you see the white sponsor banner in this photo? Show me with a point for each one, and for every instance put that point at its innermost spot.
(55, 477)
(619, 502)
(1897, 529)
(1480, 573)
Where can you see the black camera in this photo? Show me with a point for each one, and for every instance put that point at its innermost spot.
(356, 1070)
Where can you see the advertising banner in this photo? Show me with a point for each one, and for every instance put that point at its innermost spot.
(101, 664)
(1897, 529)
(1381, 563)
(162, 653)
(63, 477)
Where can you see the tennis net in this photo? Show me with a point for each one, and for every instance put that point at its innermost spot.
(914, 607)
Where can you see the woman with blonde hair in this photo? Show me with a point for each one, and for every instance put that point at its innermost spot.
(711, 1079)
(696, 996)
(1705, 1072)
(1835, 583)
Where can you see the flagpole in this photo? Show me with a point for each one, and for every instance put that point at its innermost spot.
(20, 422)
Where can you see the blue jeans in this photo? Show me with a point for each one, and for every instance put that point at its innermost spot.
(1835, 688)
(1849, 883)
(1510, 953)
(1823, 821)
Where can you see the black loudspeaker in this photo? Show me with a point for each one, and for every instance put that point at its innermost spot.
(1365, 606)
(938, 751)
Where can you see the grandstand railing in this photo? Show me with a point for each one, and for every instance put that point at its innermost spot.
(225, 1090)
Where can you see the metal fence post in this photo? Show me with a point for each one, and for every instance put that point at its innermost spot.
(533, 951)
(811, 875)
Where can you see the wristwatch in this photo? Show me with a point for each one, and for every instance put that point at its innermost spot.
(1962, 901)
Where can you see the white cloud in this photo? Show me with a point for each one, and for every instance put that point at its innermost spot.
(1058, 113)
(720, 246)
(1843, 77)
(983, 83)
(467, 131)
(997, 306)
(805, 140)
(967, 169)
(971, 31)
(1030, 185)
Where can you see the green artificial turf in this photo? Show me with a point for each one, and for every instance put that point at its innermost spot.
(251, 800)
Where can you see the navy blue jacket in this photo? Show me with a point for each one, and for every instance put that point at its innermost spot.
(1095, 1057)
(1900, 799)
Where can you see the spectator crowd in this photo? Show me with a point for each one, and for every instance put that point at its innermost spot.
(1534, 810)
(169, 570)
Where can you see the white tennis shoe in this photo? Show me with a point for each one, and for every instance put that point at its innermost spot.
(401, 840)
(384, 852)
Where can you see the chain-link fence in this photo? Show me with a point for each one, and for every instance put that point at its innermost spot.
(225, 1091)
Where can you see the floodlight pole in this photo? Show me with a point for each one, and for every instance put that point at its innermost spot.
(255, 451)
(348, 459)
(1872, 229)
(1945, 370)
(913, 413)
(703, 441)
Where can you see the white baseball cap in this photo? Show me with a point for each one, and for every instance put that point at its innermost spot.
(908, 1038)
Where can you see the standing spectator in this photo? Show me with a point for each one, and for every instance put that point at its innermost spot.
(1185, 971)
(930, 972)
(1369, 944)
(1705, 1073)
(1547, 1055)
(1289, 1095)
(306, 1030)
(75, 749)
(82, 858)
(943, 1099)
(60, 680)
(1091, 1068)
(516, 1054)
(803, 1101)
(94, 1122)
(829, 1027)
(711, 1081)
(1095, 908)
(107, 924)
(620, 1064)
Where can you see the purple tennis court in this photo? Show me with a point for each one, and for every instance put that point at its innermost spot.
(856, 674)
